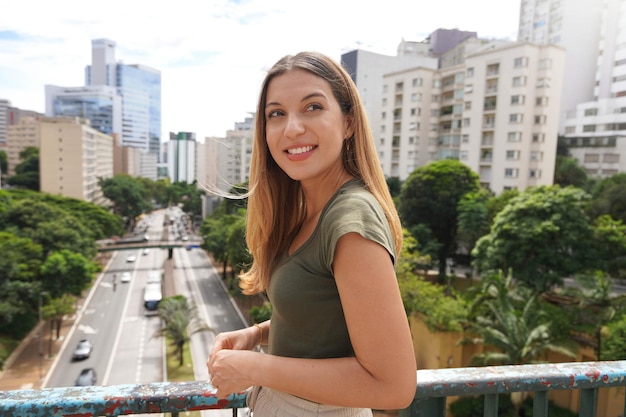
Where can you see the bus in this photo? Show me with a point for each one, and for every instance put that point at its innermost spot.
(152, 296)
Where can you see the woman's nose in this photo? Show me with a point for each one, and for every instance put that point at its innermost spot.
(294, 127)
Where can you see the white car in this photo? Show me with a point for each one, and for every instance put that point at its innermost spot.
(146, 251)
(131, 258)
(125, 277)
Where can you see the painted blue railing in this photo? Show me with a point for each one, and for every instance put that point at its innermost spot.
(433, 387)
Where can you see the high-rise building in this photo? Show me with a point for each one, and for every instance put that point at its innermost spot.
(181, 151)
(595, 130)
(140, 89)
(101, 104)
(492, 104)
(574, 25)
(4, 121)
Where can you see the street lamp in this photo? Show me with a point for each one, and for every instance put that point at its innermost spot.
(41, 294)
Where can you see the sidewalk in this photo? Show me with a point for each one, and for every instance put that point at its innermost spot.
(25, 368)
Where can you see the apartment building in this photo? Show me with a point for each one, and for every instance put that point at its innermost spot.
(23, 134)
(73, 155)
(596, 130)
(497, 111)
(511, 107)
(228, 159)
(576, 26)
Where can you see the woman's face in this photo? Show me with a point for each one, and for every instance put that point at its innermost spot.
(305, 127)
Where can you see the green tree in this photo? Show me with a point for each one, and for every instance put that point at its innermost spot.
(48, 225)
(215, 235)
(66, 272)
(238, 254)
(439, 311)
(54, 311)
(473, 217)
(610, 246)
(510, 319)
(430, 196)
(27, 171)
(4, 164)
(129, 196)
(598, 304)
(615, 344)
(542, 235)
(181, 320)
(609, 197)
(567, 171)
(19, 268)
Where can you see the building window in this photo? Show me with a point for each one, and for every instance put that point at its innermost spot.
(463, 155)
(416, 97)
(519, 81)
(466, 122)
(520, 62)
(589, 128)
(435, 98)
(570, 129)
(469, 88)
(511, 172)
(591, 158)
(413, 126)
(517, 99)
(383, 115)
(539, 137)
(468, 105)
(516, 118)
(465, 138)
(534, 173)
(514, 137)
(536, 156)
(541, 101)
(384, 102)
(591, 112)
(512, 155)
(417, 82)
(545, 63)
(384, 88)
(610, 158)
(469, 72)
(540, 119)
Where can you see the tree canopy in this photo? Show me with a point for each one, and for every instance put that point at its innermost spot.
(542, 235)
(430, 197)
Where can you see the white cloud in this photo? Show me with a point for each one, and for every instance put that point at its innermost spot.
(212, 54)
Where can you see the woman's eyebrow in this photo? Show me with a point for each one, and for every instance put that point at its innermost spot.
(305, 98)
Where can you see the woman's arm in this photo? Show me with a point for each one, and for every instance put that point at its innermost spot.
(381, 375)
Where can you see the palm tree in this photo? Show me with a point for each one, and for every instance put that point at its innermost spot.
(180, 321)
(510, 319)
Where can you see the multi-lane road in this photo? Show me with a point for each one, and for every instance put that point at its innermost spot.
(112, 317)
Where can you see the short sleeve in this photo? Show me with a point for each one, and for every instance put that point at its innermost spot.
(355, 211)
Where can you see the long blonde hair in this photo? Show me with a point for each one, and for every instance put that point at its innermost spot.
(276, 206)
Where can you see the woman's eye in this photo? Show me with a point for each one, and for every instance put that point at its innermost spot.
(273, 113)
(314, 106)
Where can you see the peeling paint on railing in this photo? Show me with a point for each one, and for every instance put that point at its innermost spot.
(437, 384)
(515, 378)
(114, 400)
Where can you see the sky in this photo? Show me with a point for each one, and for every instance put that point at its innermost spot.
(213, 54)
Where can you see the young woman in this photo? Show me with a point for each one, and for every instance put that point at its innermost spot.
(324, 235)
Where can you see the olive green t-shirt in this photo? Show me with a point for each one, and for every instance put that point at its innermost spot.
(307, 317)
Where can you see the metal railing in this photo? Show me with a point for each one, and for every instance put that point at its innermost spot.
(433, 387)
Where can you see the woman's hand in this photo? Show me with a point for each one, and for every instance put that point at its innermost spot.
(228, 360)
(230, 370)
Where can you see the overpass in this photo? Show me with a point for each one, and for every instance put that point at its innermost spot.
(151, 244)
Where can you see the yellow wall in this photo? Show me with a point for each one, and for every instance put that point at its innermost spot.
(440, 350)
